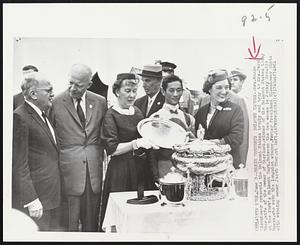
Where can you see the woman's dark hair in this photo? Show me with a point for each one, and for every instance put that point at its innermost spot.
(213, 77)
(168, 79)
(30, 67)
(120, 78)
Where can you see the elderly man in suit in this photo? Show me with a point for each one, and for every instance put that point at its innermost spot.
(153, 100)
(149, 104)
(77, 116)
(18, 99)
(36, 182)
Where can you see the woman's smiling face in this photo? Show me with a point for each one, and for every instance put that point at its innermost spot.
(219, 91)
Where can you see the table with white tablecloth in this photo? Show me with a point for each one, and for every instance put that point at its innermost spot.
(227, 216)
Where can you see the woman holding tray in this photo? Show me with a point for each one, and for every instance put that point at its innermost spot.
(121, 140)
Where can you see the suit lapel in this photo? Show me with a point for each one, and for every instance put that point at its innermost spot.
(205, 109)
(213, 118)
(90, 104)
(68, 103)
(39, 120)
(157, 103)
(217, 114)
(144, 105)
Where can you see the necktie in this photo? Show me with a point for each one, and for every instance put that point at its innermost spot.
(45, 118)
(149, 106)
(50, 129)
(173, 111)
(80, 113)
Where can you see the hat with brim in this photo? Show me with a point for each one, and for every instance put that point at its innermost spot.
(151, 71)
(168, 66)
(216, 76)
(236, 72)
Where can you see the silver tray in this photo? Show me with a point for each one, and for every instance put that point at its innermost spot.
(163, 133)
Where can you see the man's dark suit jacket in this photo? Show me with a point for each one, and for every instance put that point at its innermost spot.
(157, 104)
(142, 103)
(18, 100)
(35, 171)
(227, 124)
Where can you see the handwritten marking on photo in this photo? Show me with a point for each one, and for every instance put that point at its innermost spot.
(254, 53)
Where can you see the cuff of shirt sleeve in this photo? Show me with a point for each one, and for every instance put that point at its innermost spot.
(29, 204)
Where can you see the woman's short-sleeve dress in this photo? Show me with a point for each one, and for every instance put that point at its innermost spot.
(121, 171)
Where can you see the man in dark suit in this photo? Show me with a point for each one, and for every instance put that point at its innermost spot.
(153, 100)
(36, 187)
(77, 117)
(19, 98)
(149, 104)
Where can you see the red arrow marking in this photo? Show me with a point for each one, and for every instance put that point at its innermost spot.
(254, 54)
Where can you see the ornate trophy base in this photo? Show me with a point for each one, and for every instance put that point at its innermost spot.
(196, 189)
(209, 195)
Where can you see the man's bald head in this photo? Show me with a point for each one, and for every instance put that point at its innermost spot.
(79, 80)
(37, 89)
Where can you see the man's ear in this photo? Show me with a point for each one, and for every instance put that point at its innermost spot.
(32, 94)
(162, 91)
(90, 84)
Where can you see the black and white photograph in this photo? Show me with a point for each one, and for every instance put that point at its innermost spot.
(149, 122)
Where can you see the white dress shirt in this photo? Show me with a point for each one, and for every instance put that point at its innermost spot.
(39, 112)
(150, 102)
(165, 113)
(82, 103)
(209, 116)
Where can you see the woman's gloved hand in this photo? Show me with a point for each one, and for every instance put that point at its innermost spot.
(144, 143)
(190, 136)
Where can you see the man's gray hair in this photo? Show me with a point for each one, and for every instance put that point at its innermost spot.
(82, 69)
(31, 80)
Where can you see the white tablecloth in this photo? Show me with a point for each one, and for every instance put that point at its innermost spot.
(211, 217)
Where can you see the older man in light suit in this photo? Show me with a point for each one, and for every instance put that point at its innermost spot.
(77, 116)
(36, 186)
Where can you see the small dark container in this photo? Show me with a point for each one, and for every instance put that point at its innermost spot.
(173, 192)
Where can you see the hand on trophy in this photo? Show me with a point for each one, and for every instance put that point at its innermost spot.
(190, 136)
(200, 132)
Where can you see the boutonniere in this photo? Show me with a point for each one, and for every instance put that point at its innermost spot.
(90, 106)
(158, 103)
(226, 108)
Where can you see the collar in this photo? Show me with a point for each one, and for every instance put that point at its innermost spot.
(153, 97)
(129, 111)
(170, 107)
(38, 110)
(83, 99)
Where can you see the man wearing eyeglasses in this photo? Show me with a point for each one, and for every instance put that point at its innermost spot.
(77, 115)
(36, 186)
(18, 99)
